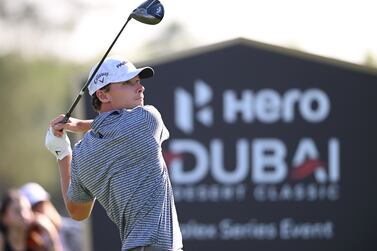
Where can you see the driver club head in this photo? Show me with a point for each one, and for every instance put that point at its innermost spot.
(149, 12)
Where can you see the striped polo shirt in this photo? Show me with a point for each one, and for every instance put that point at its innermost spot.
(119, 163)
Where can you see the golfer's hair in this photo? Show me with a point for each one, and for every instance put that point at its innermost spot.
(96, 103)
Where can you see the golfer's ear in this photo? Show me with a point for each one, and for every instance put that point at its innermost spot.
(103, 96)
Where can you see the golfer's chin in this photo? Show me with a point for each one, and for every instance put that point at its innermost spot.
(140, 102)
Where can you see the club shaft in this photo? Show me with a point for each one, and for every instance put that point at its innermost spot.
(82, 91)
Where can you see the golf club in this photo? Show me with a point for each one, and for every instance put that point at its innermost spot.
(150, 12)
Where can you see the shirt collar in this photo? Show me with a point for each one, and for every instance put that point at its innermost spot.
(99, 120)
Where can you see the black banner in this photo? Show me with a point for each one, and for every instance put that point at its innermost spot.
(269, 149)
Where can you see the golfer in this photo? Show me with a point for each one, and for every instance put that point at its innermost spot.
(119, 160)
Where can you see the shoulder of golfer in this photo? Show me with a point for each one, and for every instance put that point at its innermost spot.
(134, 117)
(153, 111)
(157, 122)
(130, 116)
(151, 114)
(73, 125)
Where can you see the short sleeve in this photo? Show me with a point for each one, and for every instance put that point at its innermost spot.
(76, 191)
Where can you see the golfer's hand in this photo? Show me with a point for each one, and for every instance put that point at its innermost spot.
(59, 146)
(72, 125)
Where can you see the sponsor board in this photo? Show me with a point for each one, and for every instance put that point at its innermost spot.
(268, 150)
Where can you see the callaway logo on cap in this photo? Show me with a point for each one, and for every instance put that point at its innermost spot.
(100, 77)
(116, 69)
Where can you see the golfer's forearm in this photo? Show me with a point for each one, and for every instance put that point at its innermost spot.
(84, 125)
(77, 211)
(65, 176)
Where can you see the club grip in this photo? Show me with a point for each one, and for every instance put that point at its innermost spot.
(65, 120)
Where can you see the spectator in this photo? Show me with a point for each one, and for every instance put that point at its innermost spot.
(70, 231)
(21, 229)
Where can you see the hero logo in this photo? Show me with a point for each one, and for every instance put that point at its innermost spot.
(185, 104)
(265, 106)
(276, 171)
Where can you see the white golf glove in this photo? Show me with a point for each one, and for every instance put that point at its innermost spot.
(58, 146)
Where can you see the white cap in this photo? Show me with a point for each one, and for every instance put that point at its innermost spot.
(34, 193)
(116, 69)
